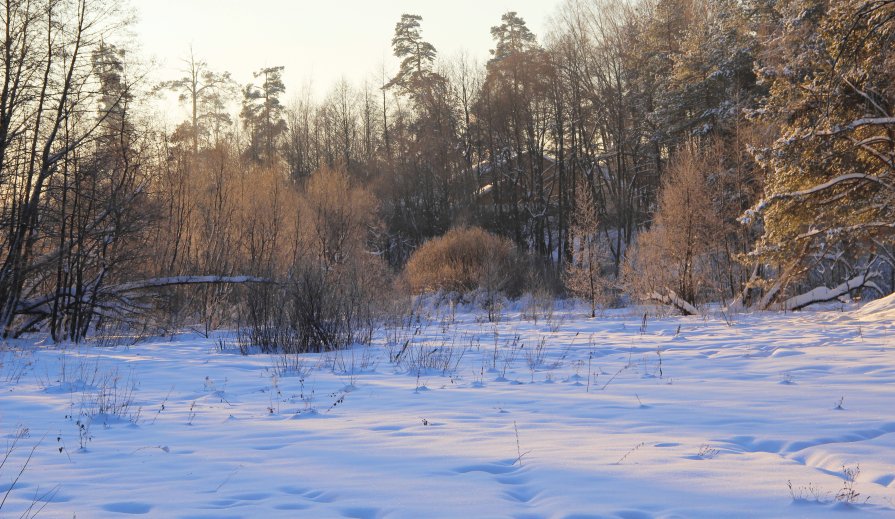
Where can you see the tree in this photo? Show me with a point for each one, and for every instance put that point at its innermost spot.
(98, 205)
(47, 132)
(584, 272)
(674, 261)
(206, 93)
(514, 110)
(712, 79)
(512, 37)
(416, 74)
(830, 190)
(423, 138)
(262, 114)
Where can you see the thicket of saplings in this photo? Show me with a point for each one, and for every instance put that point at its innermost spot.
(316, 280)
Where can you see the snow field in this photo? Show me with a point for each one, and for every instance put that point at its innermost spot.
(766, 415)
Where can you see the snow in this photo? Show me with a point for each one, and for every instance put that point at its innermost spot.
(564, 417)
(882, 309)
(824, 294)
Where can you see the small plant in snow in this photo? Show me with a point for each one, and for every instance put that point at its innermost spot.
(707, 452)
(339, 399)
(805, 493)
(848, 494)
(307, 397)
(291, 365)
(274, 407)
(519, 453)
(617, 373)
(83, 427)
(635, 449)
(192, 414)
(590, 358)
(535, 356)
(838, 405)
(13, 364)
(42, 500)
(162, 406)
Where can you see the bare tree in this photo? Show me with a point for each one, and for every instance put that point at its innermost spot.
(584, 272)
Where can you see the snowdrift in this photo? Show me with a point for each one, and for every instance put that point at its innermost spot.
(881, 309)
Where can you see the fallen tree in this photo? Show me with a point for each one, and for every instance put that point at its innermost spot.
(824, 294)
(119, 301)
(672, 299)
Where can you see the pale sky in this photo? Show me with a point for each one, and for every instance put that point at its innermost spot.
(317, 41)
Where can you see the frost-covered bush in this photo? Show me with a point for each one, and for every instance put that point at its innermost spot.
(465, 260)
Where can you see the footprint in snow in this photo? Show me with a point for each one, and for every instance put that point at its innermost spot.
(254, 496)
(127, 508)
(522, 494)
(312, 495)
(885, 480)
(505, 473)
(387, 428)
(361, 512)
(633, 514)
(269, 447)
(292, 506)
(488, 468)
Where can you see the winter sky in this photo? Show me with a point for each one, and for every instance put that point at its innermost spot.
(319, 42)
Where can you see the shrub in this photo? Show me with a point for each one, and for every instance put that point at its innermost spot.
(466, 259)
(335, 290)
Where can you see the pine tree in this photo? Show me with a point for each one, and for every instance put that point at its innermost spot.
(262, 114)
(712, 78)
(425, 184)
(416, 74)
(206, 94)
(830, 191)
(512, 37)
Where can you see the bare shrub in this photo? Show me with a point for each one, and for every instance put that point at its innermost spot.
(467, 259)
(335, 291)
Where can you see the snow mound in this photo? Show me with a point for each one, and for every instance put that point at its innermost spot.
(882, 309)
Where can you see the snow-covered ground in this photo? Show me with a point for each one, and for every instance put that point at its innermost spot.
(764, 415)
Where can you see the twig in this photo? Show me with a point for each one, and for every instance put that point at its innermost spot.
(519, 453)
(639, 445)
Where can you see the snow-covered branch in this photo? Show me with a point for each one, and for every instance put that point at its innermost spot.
(846, 230)
(182, 280)
(813, 190)
(857, 123)
(824, 294)
(672, 299)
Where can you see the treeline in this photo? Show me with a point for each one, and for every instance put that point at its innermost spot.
(670, 151)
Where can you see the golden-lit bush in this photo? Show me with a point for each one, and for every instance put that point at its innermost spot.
(464, 260)
(335, 289)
